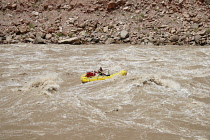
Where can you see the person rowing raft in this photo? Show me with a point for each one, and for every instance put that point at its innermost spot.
(101, 72)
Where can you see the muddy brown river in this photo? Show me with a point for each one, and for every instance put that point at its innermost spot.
(165, 95)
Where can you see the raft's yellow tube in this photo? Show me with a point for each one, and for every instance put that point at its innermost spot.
(123, 72)
(85, 79)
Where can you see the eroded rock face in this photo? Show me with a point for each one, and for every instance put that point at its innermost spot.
(105, 22)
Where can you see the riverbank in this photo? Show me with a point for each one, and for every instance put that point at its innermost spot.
(152, 22)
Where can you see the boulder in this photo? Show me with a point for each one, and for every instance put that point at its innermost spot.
(1, 40)
(111, 5)
(23, 29)
(48, 36)
(95, 40)
(207, 31)
(126, 8)
(207, 1)
(202, 32)
(174, 38)
(88, 39)
(197, 39)
(39, 40)
(173, 30)
(124, 34)
(29, 40)
(71, 20)
(106, 29)
(117, 40)
(153, 4)
(50, 7)
(12, 6)
(9, 38)
(110, 41)
(34, 13)
(54, 39)
(181, 1)
(40, 35)
(24, 21)
(195, 26)
(73, 40)
(121, 2)
(163, 26)
(186, 15)
(161, 41)
(66, 6)
(126, 40)
(83, 33)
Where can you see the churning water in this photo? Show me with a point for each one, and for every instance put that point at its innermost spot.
(165, 95)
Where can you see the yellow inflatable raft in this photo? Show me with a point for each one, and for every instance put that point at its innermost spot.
(85, 79)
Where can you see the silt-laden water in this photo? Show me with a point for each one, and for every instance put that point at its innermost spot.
(165, 95)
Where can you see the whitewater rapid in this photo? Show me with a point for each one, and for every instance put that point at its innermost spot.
(165, 94)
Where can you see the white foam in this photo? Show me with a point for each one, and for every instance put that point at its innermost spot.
(47, 83)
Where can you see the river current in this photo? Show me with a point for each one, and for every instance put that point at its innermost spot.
(165, 95)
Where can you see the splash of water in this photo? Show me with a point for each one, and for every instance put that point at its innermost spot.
(45, 84)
